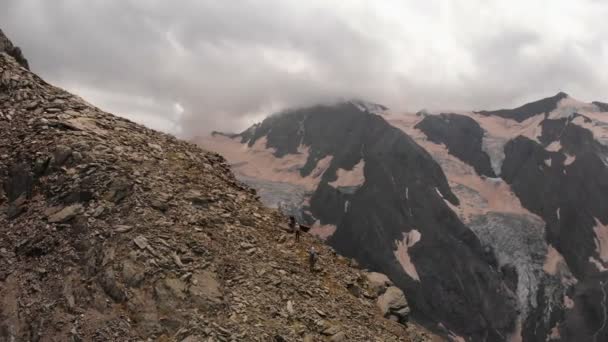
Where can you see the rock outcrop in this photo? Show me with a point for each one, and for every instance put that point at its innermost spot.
(391, 300)
(7, 46)
(114, 232)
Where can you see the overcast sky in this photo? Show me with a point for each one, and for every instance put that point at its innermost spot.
(192, 66)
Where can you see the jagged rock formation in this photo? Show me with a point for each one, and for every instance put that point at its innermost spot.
(602, 106)
(114, 232)
(527, 186)
(7, 46)
(462, 136)
(528, 110)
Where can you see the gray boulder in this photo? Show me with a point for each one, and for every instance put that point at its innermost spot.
(393, 305)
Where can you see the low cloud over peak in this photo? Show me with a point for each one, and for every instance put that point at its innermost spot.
(190, 67)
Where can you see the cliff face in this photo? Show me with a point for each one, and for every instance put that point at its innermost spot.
(492, 222)
(114, 232)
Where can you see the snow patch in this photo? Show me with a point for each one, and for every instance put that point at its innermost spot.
(259, 162)
(569, 106)
(478, 195)
(569, 159)
(554, 146)
(599, 129)
(601, 240)
(438, 192)
(495, 148)
(554, 334)
(401, 253)
(598, 264)
(553, 261)
(370, 107)
(568, 302)
(323, 231)
(515, 336)
(353, 177)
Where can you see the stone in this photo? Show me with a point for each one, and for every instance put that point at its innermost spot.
(141, 242)
(332, 330)
(393, 302)
(66, 214)
(61, 155)
(110, 285)
(118, 190)
(377, 282)
(204, 288)
(122, 228)
(290, 309)
(159, 205)
(338, 337)
(132, 273)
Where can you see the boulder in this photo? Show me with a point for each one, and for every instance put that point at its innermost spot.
(377, 282)
(393, 305)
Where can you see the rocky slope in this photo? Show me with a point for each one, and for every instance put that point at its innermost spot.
(492, 222)
(114, 232)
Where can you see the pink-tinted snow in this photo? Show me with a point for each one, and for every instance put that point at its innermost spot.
(353, 177)
(259, 162)
(601, 240)
(323, 231)
(402, 255)
(489, 194)
(553, 260)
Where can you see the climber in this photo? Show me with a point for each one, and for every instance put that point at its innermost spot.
(295, 227)
(292, 223)
(298, 230)
(312, 258)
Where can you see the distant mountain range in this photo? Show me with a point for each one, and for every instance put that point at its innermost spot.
(494, 223)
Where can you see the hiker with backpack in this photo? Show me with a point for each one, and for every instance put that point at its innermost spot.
(312, 258)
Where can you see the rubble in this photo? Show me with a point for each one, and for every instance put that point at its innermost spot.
(115, 232)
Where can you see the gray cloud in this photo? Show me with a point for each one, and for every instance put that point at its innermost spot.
(226, 63)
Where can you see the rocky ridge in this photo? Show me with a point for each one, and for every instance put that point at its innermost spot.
(7, 46)
(112, 231)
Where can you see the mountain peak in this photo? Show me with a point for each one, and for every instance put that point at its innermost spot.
(367, 106)
(14, 51)
(528, 110)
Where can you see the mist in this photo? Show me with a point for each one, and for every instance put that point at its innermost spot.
(190, 67)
